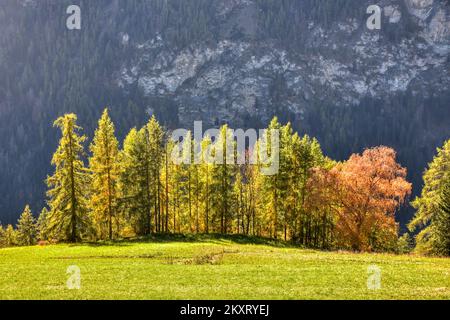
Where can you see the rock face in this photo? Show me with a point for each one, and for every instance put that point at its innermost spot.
(312, 62)
(231, 80)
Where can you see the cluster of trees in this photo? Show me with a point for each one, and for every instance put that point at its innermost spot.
(138, 190)
(47, 73)
(26, 233)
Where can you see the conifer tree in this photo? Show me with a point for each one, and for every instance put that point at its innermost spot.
(10, 236)
(105, 170)
(206, 168)
(154, 134)
(2, 237)
(186, 184)
(222, 179)
(26, 228)
(271, 183)
(68, 216)
(430, 205)
(135, 189)
(42, 225)
(441, 223)
(140, 180)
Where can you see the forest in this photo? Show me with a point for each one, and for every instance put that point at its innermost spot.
(48, 70)
(110, 190)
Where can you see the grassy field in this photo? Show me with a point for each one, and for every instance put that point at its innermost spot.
(215, 268)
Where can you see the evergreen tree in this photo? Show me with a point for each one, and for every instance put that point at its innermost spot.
(222, 180)
(68, 216)
(206, 168)
(441, 223)
(42, 225)
(135, 188)
(105, 170)
(430, 215)
(9, 236)
(271, 185)
(154, 135)
(141, 186)
(2, 237)
(26, 228)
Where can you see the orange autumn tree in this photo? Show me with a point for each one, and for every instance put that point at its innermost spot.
(368, 190)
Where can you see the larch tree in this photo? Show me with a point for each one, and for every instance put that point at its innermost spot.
(2, 237)
(222, 179)
(442, 223)
(166, 173)
(26, 228)
(186, 184)
(206, 168)
(154, 135)
(42, 225)
(10, 236)
(67, 194)
(271, 185)
(105, 168)
(431, 205)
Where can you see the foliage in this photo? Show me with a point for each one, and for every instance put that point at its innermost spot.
(26, 228)
(9, 236)
(370, 188)
(405, 244)
(68, 217)
(310, 201)
(432, 206)
(105, 170)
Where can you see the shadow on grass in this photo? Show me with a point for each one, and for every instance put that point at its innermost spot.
(194, 238)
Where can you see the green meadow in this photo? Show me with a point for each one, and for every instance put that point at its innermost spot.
(214, 267)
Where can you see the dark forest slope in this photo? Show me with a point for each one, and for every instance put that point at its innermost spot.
(313, 62)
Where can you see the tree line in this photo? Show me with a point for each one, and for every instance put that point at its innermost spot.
(113, 192)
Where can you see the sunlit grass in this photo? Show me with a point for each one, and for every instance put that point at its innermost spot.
(215, 268)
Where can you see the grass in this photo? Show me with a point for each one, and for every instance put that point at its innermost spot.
(213, 267)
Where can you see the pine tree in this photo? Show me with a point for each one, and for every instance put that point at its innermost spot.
(206, 168)
(2, 237)
(105, 170)
(165, 178)
(441, 223)
(154, 135)
(140, 180)
(26, 228)
(429, 205)
(306, 222)
(9, 236)
(68, 216)
(222, 180)
(238, 204)
(271, 183)
(135, 182)
(42, 225)
(186, 184)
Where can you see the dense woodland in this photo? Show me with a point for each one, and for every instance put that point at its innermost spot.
(111, 192)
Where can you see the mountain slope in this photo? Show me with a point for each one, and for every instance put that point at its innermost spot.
(312, 62)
